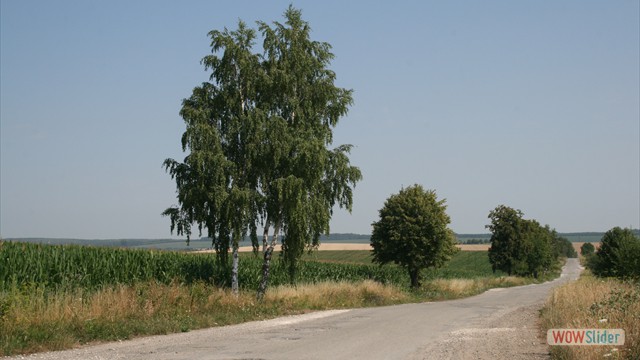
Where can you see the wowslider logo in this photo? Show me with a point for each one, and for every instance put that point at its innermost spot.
(585, 337)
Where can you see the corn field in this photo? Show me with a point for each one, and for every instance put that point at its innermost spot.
(90, 268)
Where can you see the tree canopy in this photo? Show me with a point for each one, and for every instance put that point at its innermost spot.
(618, 255)
(413, 232)
(587, 249)
(257, 137)
(520, 246)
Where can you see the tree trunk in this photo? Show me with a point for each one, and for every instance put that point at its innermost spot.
(234, 270)
(265, 236)
(414, 274)
(266, 265)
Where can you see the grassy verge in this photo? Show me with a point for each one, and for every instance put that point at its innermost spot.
(593, 302)
(43, 321)
(35, 320)
(59, 302)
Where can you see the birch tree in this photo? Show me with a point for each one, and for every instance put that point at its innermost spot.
(217, 181)
(259, 138)
(307, 178)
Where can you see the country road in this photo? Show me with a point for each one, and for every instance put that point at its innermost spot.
(498, 324)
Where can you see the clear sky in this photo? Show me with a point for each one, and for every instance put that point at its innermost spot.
(530, 104)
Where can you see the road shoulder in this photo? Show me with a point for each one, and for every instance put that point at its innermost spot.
(514, 335)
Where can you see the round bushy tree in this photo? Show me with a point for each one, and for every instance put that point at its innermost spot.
(618, 255)
(413, 232)
(587, 249)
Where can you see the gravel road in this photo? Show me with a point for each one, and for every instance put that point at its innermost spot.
(498, 324)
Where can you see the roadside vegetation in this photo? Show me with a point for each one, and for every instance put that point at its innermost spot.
(607, 296)
(57, 297)
(593, 302)
(524, 247)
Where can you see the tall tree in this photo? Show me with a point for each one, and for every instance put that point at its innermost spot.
(258, 135)
(305, 178)
(541, 252)
(413, 232)
(507, 246)
(216, 183)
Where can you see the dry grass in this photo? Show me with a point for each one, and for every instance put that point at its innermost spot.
(456, 288)
(338, 295)
(595, 303)
(33, 321)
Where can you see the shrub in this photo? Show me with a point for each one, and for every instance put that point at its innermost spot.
(587, 249)
(618, 256)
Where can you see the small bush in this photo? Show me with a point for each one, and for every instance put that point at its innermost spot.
(587, 249)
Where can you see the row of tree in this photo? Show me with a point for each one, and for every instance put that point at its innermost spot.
(523, 247)
(257, 137)
(413, 232)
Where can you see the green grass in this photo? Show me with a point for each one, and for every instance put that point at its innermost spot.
(464, 264)
(341, 256)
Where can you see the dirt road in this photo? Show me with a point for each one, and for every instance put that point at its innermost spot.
(499, 324)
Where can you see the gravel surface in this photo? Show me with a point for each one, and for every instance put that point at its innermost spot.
(514, 335)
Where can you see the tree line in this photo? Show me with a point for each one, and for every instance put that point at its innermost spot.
(413, 232)
(524, 247)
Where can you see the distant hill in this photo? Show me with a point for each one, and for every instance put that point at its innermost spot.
(573, 237)
(205, 243)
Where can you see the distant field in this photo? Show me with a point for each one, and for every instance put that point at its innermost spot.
(204, 243)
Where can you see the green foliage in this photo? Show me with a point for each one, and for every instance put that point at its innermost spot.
(63, 266)
(345, 256)
(587, 249)
(506, 241)
(522, 247)
(564, 247)
(302, 179)
(618, 255)
(92, 268)
(462, 265)
(413, 232)
(257, 136)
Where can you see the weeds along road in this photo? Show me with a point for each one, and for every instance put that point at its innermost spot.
(499, 324)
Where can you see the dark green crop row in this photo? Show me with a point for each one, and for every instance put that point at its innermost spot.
(73, 266)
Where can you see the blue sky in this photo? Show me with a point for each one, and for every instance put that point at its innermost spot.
(531, 104)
